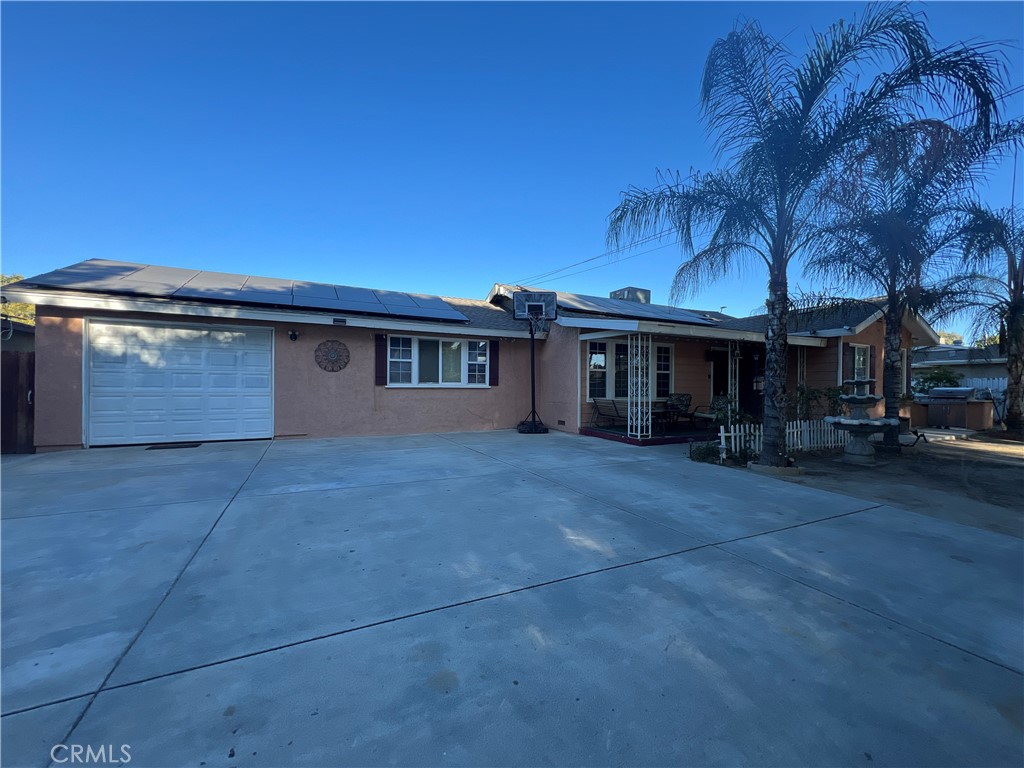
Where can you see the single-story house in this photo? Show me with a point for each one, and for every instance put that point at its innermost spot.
(138, 354)
(978, 366)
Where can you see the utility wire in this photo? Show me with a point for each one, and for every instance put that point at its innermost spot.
(633, 244)
(598, 266)
(549, 276)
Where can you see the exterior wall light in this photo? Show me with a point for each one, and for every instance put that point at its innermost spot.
(293, 335)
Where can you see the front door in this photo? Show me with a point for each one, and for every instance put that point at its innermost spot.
(719, 359)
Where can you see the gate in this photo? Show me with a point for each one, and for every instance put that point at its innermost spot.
(17, 380)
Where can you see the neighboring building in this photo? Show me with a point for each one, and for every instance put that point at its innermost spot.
(130, 353)
(982, 367)
(16, 336)
(17, 345)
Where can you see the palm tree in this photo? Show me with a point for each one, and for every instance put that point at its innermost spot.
(898, 225)
(993, 240)
(782, 124)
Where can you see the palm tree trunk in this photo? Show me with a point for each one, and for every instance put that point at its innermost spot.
(1014, 418)
(773, 451)
(892, 372)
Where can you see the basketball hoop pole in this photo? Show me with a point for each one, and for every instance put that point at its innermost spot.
(532, 424)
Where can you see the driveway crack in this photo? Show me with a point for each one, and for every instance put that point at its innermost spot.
(163, 599)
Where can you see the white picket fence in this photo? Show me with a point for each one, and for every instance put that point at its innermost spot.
(801, 435)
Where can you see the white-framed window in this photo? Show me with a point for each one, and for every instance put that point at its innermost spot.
(861, 361)
(426, 362)
(597, 369)
(400, 360)
(662, 371)
(613, 357)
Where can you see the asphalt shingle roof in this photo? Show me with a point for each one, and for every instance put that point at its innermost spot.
(482, 314)
(806, 320)
(950, 353)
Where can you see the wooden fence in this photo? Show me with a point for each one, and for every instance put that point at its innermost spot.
(801, 435)
(997, 384)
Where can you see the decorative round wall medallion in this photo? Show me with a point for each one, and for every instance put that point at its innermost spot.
(332, 355)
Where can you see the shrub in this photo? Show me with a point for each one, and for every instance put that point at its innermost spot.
(705, 452)
(941, 376)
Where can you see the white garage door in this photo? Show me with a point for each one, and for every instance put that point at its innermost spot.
(161, 383)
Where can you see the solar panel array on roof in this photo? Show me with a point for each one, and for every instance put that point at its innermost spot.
(633, 309)
(170, 282)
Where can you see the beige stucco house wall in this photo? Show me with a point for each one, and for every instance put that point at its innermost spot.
(308, 401)
(557, 378)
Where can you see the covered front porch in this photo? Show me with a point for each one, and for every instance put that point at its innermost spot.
(649, 388)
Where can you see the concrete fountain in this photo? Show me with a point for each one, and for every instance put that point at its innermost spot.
(860, 426)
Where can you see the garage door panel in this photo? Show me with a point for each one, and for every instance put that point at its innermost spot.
(187, 429)
(108, 405)
(230, 403)
(187, 336)
(166, 383)
(150, 404)
(222, 359)
(110, 432)
(251, 382)
(110, 355)
(256, 361)
(110, 380)
(256, 404)
(187, 403)
(233, 339)
(187, 381)
(150, 380)
(183, 357)
(219, 381)
(256, 427)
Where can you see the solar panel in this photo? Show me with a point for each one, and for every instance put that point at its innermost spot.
(622, 308)
(86, 273)
(172, 282)
(348, 293)
(150, 280)
(268, 285)
(314, 290)
(395, 299)
(217, 279)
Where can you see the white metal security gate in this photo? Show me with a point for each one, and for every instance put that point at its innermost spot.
(639, 402)
(158, 383)
(734, 377)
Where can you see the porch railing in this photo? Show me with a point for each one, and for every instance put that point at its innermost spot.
(802, 435)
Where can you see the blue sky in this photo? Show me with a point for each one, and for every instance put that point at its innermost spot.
(433, 148)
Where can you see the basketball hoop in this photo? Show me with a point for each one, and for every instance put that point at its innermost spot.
(538, 307)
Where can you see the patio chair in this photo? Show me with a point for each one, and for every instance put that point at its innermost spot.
(677, 407)
(711, 414)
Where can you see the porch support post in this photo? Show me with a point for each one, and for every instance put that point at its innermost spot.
(639, 402)
(733, 390)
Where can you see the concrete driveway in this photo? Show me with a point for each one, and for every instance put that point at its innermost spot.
(492, 599)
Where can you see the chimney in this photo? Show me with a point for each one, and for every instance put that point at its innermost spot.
(639, 295)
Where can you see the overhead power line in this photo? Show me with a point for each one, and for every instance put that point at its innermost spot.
(612, 252)
(598, 266)
(553, 274)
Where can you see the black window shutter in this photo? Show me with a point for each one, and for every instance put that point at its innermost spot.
(871, 362)
(381, 359)
(847, 361)
(493, 367)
